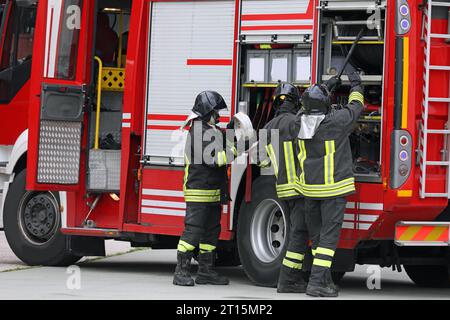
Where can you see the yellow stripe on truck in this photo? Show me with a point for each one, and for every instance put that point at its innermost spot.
(405, 83)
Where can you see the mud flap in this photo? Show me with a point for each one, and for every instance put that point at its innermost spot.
(86, 246)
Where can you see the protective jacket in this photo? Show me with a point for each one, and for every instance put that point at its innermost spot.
(282, 151)
(326, 159)
(205, 177)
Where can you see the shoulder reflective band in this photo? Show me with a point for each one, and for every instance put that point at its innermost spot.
(234, 150)
(289, 160)
(265, 163)
(221, 158)
(301, 159)
(273, 159)
(186, 171)
(355, 95)
(183, 246)
(329, 162)
(293, 255)
(325, 251)
(291, 264)
(322, 263)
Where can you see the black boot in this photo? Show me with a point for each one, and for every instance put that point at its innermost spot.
(291, 281)
(330, 281)
(206, 274)
(318, 285)
(182, 276)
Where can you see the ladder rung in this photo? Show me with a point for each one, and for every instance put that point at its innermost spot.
(438, 163)
(436, 195)
(435, 99)
(436, 131)
(440, 36)
(440, 4)
(446, 68)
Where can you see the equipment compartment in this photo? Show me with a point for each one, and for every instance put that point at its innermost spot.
(106, 110)
(338, 31)
(277, 63)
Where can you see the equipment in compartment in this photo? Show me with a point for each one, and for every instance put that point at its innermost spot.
(339, 30)
(264, 67)
(278, 65)
(301, 66)
(104, 169)
(105, 118)
(257, 66)
(105, 133)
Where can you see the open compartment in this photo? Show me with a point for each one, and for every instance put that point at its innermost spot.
(106, 113)
(273, 50)
(338, 30)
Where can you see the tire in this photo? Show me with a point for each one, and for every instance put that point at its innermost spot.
(429, 276)
(261, 248)
(32, 224)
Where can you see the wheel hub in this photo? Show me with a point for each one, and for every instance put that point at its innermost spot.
(38, 217)
(268, 230)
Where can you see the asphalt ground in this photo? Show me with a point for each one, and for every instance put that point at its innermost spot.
(147, 274)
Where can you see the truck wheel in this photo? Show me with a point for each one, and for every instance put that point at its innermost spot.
(262, 227)
(32, 223)
(429, 276)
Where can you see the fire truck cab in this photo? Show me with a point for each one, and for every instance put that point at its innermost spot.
(113, 81)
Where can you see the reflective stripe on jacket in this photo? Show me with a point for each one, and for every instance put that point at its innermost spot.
(282, 152)
(326, 160)
(206, 157)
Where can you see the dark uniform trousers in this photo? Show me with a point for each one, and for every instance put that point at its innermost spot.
(328, 179)
(298, 235)
(202, 225)
(324, 220)
(205, 187)
(286, 166)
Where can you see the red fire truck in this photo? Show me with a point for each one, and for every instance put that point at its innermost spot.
(113, 81)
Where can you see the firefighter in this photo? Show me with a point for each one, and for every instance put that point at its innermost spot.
(205, 188)
(327, 177)
(281, 154)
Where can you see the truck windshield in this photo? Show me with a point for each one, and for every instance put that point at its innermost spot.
(2, 9)
(18, 42)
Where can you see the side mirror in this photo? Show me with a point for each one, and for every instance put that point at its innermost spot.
(26, 3)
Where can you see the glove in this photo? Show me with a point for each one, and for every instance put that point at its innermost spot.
(333, 83)
(355, 79)
(230, 124)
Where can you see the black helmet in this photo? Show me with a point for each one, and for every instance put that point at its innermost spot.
(316, 100)
(208, 101)
(286, 91)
